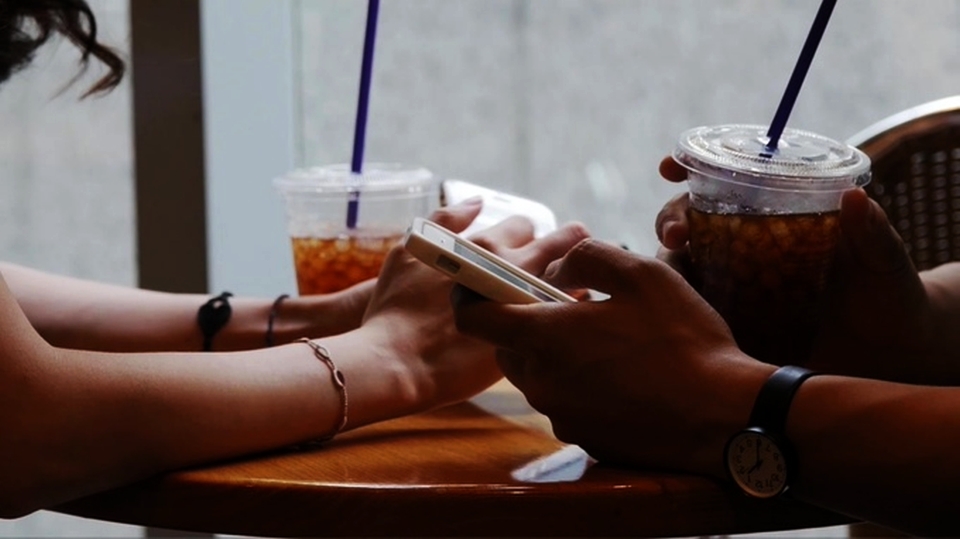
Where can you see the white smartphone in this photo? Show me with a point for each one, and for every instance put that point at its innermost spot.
(475, 267)
(497, 206)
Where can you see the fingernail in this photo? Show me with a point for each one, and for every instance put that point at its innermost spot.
(475, 200)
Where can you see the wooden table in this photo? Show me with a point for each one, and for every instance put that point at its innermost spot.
(484, 468)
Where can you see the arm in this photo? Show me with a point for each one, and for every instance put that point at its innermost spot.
(74, 313)
(879, 451)
(654, 359)
(943, 288)
(76, 422)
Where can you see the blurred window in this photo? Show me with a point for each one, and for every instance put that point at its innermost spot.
(66, 166)
(574, 102)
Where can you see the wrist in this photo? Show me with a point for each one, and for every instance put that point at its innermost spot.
(244, 329)
(293, 318)
(939, 300)
(379, 384)
(314, 317)
(940, 349)
(736, 394)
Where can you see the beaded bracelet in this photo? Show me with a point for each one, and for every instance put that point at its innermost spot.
(339, 382)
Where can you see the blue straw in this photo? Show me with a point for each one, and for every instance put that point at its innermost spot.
(360, 128)
(799, 73)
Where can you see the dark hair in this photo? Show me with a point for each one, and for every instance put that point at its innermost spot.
(25, 25)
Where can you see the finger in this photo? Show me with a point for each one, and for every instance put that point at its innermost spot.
(512, 232)
(678, 259)
(505, 326)
(513, 367)
(673, 229)
(672, 171)
(552, 269)
(596, 265)
(533, 377)
(535, 256)
(872, 242)
(458, 216)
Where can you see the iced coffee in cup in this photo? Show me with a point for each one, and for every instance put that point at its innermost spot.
(764, 227)
(329, 255)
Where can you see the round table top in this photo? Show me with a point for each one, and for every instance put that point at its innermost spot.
(488, 467)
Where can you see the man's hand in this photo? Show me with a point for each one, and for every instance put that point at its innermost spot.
(878, 320)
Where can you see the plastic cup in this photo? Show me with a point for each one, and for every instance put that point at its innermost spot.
(328, 255)
(764, 230)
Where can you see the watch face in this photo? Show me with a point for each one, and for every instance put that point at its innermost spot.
(757, 464)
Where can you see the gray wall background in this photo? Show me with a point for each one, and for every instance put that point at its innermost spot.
(573, 102)
(66, 184)
(66, 193)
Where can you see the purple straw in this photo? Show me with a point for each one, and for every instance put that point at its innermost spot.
(360, 128)
(796, 79)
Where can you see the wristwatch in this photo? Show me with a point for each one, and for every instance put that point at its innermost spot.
(760, 459)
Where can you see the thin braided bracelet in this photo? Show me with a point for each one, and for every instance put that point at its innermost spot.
(274, 309)
(339, 382)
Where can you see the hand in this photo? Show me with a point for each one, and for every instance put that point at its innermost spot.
(410, 305)
(649, 377)
(672, 227)
(877, 322)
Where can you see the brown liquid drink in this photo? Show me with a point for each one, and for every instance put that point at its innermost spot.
(765, 275)
(764, 228)
(325, 265)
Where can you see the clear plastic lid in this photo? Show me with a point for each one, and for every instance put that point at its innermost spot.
(803, 161)
(376, 177)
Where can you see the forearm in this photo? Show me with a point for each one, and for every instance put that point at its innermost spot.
(90, 421)
(77, 422)
(879, 451)
(74, 313)
(943, 288)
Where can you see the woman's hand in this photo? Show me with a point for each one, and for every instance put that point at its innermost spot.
(878, 320)
(650, 376)
(411, 307)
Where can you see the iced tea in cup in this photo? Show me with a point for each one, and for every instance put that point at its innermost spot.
(764, 228)
(327, 254)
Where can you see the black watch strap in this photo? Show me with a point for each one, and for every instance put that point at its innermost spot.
(773, 402)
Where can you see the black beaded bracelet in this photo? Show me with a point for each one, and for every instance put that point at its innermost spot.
(273, 317)
(212, 316)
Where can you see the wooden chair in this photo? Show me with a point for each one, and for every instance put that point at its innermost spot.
(916, 177)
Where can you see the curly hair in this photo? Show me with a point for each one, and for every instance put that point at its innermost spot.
(25, 25)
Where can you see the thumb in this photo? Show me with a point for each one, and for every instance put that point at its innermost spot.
(593, 264)
(868, 236)
(672, 171)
